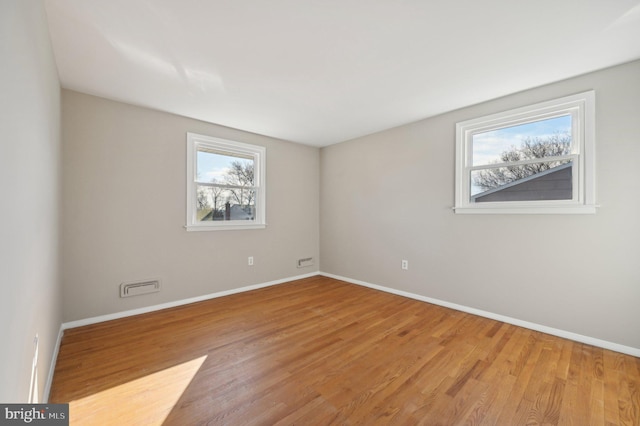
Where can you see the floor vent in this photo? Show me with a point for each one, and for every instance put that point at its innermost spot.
(135, 289)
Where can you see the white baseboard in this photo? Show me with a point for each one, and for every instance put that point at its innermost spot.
(532, 326)
(146, 309)
(52, 367)
(94, 320)
(526, 324)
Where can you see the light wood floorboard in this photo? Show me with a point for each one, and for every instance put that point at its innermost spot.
(320, 351)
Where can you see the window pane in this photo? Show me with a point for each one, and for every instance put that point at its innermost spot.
(529, 182)
(538, 139)
(225, 184)
(224, 168)
(215, 203)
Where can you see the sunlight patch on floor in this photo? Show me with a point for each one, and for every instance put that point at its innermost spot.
(144, 401)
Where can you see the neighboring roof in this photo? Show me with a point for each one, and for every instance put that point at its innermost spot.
(236, 213)
(514, 186)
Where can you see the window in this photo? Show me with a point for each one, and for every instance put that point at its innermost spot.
(225, 184)
(536, 159)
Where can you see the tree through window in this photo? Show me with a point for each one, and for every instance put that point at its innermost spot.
(225, 184)
(536, 159)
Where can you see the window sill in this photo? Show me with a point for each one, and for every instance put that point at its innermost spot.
(579, 209)
(224, 227)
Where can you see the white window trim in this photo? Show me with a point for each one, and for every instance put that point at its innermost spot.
(582, 109)
(258, 153)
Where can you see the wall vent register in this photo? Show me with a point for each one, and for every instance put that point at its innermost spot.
(138, 288)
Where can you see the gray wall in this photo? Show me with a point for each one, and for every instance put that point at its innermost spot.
(29, 188)
(124, 210)
(384, 198)
(388, 196)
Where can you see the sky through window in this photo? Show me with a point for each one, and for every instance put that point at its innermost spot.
(488, 146)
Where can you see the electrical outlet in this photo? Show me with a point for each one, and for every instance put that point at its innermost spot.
(405, 265)
(250, 261)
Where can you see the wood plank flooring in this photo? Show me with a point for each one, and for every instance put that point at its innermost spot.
(320, 351)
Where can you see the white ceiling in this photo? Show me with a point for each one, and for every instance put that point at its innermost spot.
(323, 71)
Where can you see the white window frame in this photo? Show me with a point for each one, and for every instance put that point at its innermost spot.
(195, 142)
(581, 107)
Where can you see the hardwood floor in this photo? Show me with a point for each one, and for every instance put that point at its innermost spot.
(320, 351)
